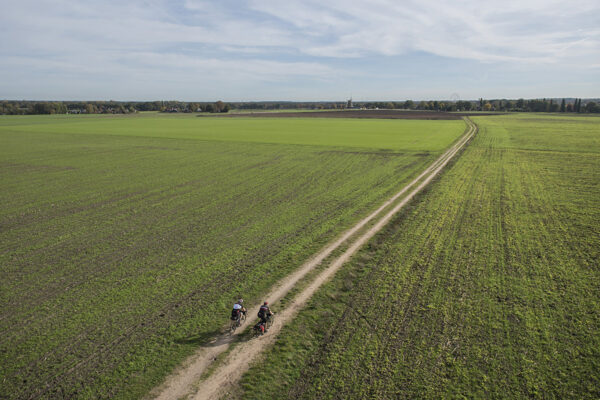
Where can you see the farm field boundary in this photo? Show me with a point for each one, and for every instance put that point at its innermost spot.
(235, 364)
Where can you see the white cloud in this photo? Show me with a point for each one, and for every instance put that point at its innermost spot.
(273, 41)
(485, 31)
(513, 31)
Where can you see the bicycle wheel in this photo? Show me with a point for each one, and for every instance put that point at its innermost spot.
(270, 321)
(233, 326)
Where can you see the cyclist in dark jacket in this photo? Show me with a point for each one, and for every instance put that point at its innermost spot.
(264, 313)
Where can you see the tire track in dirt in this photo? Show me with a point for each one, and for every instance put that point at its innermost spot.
(182, 383)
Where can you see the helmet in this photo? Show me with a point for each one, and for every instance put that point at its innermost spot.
(240, 301)
(266, 303)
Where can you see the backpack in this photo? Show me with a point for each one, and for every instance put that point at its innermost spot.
(262, 312)
(234, 314)
(260, 327)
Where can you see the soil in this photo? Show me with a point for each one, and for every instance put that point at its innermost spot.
(378, 114)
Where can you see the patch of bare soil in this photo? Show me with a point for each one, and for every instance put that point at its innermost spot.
(375, 114)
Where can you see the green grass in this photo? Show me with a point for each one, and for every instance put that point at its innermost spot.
(124, 239)
(548, 132)
(407, 135)
(487, 286)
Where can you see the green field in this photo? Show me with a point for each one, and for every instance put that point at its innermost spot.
(124, 239)
(488, 286)
(408, 135)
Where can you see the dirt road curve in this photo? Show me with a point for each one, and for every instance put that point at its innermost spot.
(183, 382)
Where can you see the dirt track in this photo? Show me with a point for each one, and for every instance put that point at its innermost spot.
(377, 114)
(183, 382)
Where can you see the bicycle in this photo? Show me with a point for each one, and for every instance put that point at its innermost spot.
(236, 323)
(270, 321)
(258, 330)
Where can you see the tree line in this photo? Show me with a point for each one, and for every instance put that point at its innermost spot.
(540, 105)
(26, 107)
(503, 105)
(13, 107)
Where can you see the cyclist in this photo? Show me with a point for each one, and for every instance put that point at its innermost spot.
(264, 313)
(238, 310)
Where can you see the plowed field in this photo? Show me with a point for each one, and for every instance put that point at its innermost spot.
(371, 114)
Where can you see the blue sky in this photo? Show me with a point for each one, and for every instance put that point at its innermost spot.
(298, 50)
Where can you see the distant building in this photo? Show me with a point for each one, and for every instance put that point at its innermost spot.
(349, 103)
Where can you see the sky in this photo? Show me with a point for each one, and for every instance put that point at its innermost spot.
(256, 50)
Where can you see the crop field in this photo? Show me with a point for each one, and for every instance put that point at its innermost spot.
(488, 286)
(407, 135)
(124, 239)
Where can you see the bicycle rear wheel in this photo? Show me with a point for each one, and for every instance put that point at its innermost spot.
(234, 325)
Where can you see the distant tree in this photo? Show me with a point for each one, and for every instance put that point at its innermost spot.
(536, 105)
(520, 104)
(40, 108)
(49, 108)
(487, 107)
(592, 107)
(219, 106)
(462, 105)
(562, 106)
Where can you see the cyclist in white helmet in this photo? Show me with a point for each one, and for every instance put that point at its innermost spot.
(238, 310)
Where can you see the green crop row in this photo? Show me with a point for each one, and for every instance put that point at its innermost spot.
(122, 253)
(487, 286)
